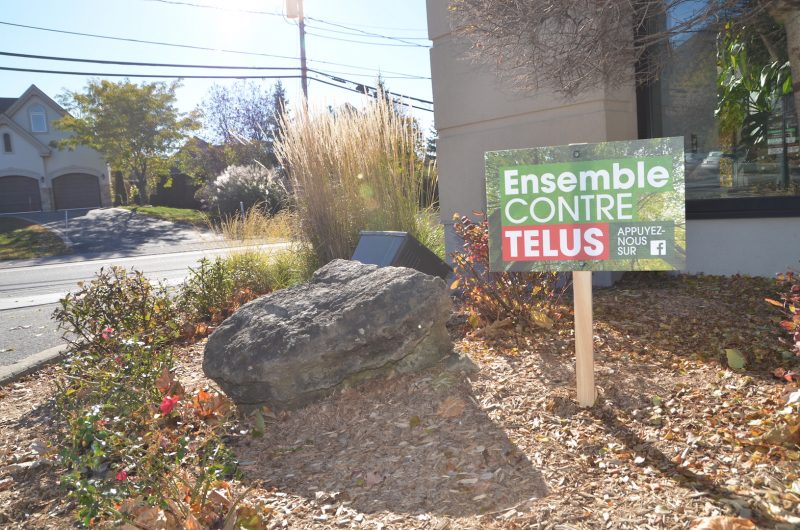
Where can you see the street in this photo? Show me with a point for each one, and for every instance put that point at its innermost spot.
(28, 295)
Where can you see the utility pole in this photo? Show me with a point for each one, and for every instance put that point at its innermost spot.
(294, 9)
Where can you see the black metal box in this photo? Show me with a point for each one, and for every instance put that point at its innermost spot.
(398, 249)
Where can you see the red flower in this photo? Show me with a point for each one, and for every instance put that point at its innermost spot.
(168, 403)
(122, 475)
(106, 333)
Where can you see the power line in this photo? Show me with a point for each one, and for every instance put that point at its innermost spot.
(219, 8)
(189, 46)
(373, 76)
(363, 93)
(141, 41)
(269, 13)
(413, 45)
(177, 65)
(359, 33)
(370, 88)
(161, 76)
(364, 89)
(368, 33)
(391, 28)
(376, 70)
(252, 11)
(133, 63)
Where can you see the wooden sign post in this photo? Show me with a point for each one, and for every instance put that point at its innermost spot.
(614, 206)
(584, 343)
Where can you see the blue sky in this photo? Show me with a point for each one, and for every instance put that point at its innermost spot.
(228, 26)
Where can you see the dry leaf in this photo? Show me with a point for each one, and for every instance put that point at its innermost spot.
(151, 517)
(207, 404)
(721, 522)
(541, 319)
(191, 523)
(167, 384)
(372, 478)
(219, 497)
(165, 381)
(451, 407)
(736, 360)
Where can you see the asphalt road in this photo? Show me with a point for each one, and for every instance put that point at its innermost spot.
(116, 231)
(28, 295)
(26, 331)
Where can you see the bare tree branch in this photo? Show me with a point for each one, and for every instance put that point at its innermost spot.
(572, 46)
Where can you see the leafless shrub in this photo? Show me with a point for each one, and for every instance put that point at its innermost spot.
(572, 46)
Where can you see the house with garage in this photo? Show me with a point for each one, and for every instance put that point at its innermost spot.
(34, 176)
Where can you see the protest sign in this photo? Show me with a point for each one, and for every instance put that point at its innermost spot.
(614, 206)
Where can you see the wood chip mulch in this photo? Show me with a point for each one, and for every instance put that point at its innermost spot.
(495, 439)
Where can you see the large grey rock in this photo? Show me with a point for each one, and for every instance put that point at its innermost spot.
(352, 322)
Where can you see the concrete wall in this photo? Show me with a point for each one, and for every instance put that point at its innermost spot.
(757, 247)
(24, 155)
(81, 160)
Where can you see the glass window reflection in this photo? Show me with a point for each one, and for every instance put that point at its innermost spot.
(726, 88)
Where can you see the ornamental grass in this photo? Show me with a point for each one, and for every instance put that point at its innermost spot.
(355, 170)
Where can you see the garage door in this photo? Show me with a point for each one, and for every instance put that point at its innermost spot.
(76, 190)
(19, 194)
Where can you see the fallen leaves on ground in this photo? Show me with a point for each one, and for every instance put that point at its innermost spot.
(722, 523)
(452, 407)
(676, 438)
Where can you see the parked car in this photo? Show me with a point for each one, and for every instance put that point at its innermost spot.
(692, 160)
(711, 161)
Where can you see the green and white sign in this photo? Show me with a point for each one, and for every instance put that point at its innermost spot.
(613, 206)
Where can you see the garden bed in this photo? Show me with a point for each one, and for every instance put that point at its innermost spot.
(675, 435)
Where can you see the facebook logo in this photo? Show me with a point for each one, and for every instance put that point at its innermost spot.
(658, 247)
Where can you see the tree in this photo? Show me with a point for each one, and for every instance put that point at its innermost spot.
(201, 160)
(135, 127)
(245, 119)
(753, 77)
(787, 13)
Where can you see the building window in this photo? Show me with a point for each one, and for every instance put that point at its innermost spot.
(725, 92)
(38, 119)
(6, 143)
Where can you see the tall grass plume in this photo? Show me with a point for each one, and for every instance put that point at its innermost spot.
(355, 170)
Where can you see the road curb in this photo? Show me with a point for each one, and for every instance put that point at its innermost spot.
(31, 364)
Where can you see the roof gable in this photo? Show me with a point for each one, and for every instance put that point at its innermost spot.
(33, 90)
(11, 124)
